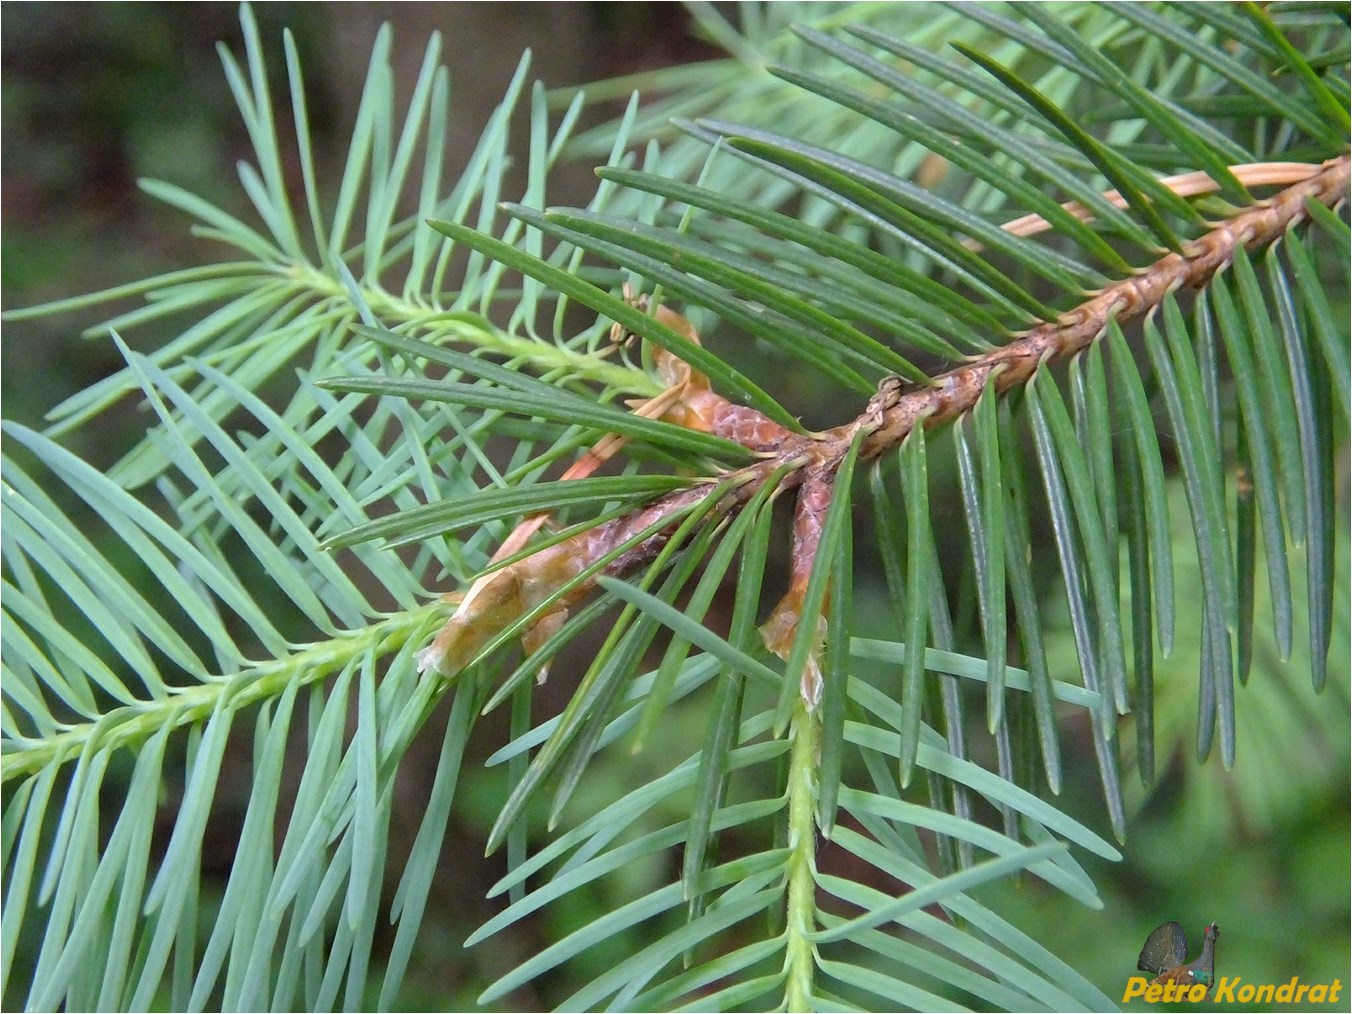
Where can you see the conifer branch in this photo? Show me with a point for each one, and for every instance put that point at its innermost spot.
(131, 725)
(956, 392)
(810, 460)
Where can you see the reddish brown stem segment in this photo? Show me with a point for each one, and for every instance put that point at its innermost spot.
(810, 461)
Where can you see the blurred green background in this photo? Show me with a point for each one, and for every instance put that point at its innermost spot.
(97, 95)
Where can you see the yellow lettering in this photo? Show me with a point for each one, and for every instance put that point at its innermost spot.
(1232, 988)
(1135, 987)
(1154, 992)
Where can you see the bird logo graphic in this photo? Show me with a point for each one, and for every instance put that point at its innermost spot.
(1165, 956)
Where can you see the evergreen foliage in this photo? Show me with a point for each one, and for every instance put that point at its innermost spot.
(360, 407)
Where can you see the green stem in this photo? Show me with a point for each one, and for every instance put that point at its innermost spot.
(800, 959)
(132, 724)
(472, 329)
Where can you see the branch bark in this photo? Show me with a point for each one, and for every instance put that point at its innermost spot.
(811, 460)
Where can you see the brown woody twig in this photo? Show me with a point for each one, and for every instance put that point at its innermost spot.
(810, 461)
